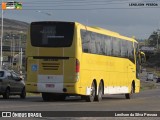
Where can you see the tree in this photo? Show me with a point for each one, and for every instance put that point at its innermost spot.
(152, 40)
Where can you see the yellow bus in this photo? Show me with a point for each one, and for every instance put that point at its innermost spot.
(69, 58)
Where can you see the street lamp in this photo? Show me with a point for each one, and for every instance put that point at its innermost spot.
(20, 51)
(13, 48)
(1, 57)
(158, 34)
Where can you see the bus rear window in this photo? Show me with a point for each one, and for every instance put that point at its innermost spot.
(52, 34)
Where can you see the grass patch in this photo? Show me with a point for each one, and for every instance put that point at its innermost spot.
(147, 85)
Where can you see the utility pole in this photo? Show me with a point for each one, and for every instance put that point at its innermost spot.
(20, 51)
(1, 57)
(158, 34)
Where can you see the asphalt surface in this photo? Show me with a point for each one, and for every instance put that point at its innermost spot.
(147, 100)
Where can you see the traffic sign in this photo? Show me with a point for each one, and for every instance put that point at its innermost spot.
(11, 5)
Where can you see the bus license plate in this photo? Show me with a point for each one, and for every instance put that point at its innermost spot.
(49, 85)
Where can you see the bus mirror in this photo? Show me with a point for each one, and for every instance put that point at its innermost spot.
(142, 56)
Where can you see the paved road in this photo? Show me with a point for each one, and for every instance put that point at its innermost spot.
(143, 78)
(146, 100)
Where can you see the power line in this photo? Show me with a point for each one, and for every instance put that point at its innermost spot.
(79, 2)
(74, 1)
(74, 5)
(89, 8)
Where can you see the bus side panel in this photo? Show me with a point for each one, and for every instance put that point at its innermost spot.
(71, 78)
(131, 75)
(93, 67)
(31, 83)
(113, 71)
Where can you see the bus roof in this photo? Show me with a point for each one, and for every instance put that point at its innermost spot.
(108, 32)
(98, 29)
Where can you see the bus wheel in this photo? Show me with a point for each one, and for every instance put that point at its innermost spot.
(91, 97)
(130, 95)
(62, 97)
(58, 97)
(23, 93)
(46, 96)
(100, 92)
(6, 94)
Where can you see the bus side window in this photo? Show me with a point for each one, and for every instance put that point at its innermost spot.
(85, 41)
(130, 51)
(92, 43)
(124, 49)
(108, 45)
(116, 47)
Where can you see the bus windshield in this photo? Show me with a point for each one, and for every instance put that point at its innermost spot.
(52, 34)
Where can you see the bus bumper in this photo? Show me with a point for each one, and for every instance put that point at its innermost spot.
(68, 88)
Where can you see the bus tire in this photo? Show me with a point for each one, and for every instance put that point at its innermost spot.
(53, 97)
(46, 97)
(58, 97)
(6, 94)
(23, 93)
(130, 95)
(100, 93)
(91, 97)
(62, 97)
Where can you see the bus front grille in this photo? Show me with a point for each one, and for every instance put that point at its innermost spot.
(50, 66)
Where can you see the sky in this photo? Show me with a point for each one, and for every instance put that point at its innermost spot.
(127, 17)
